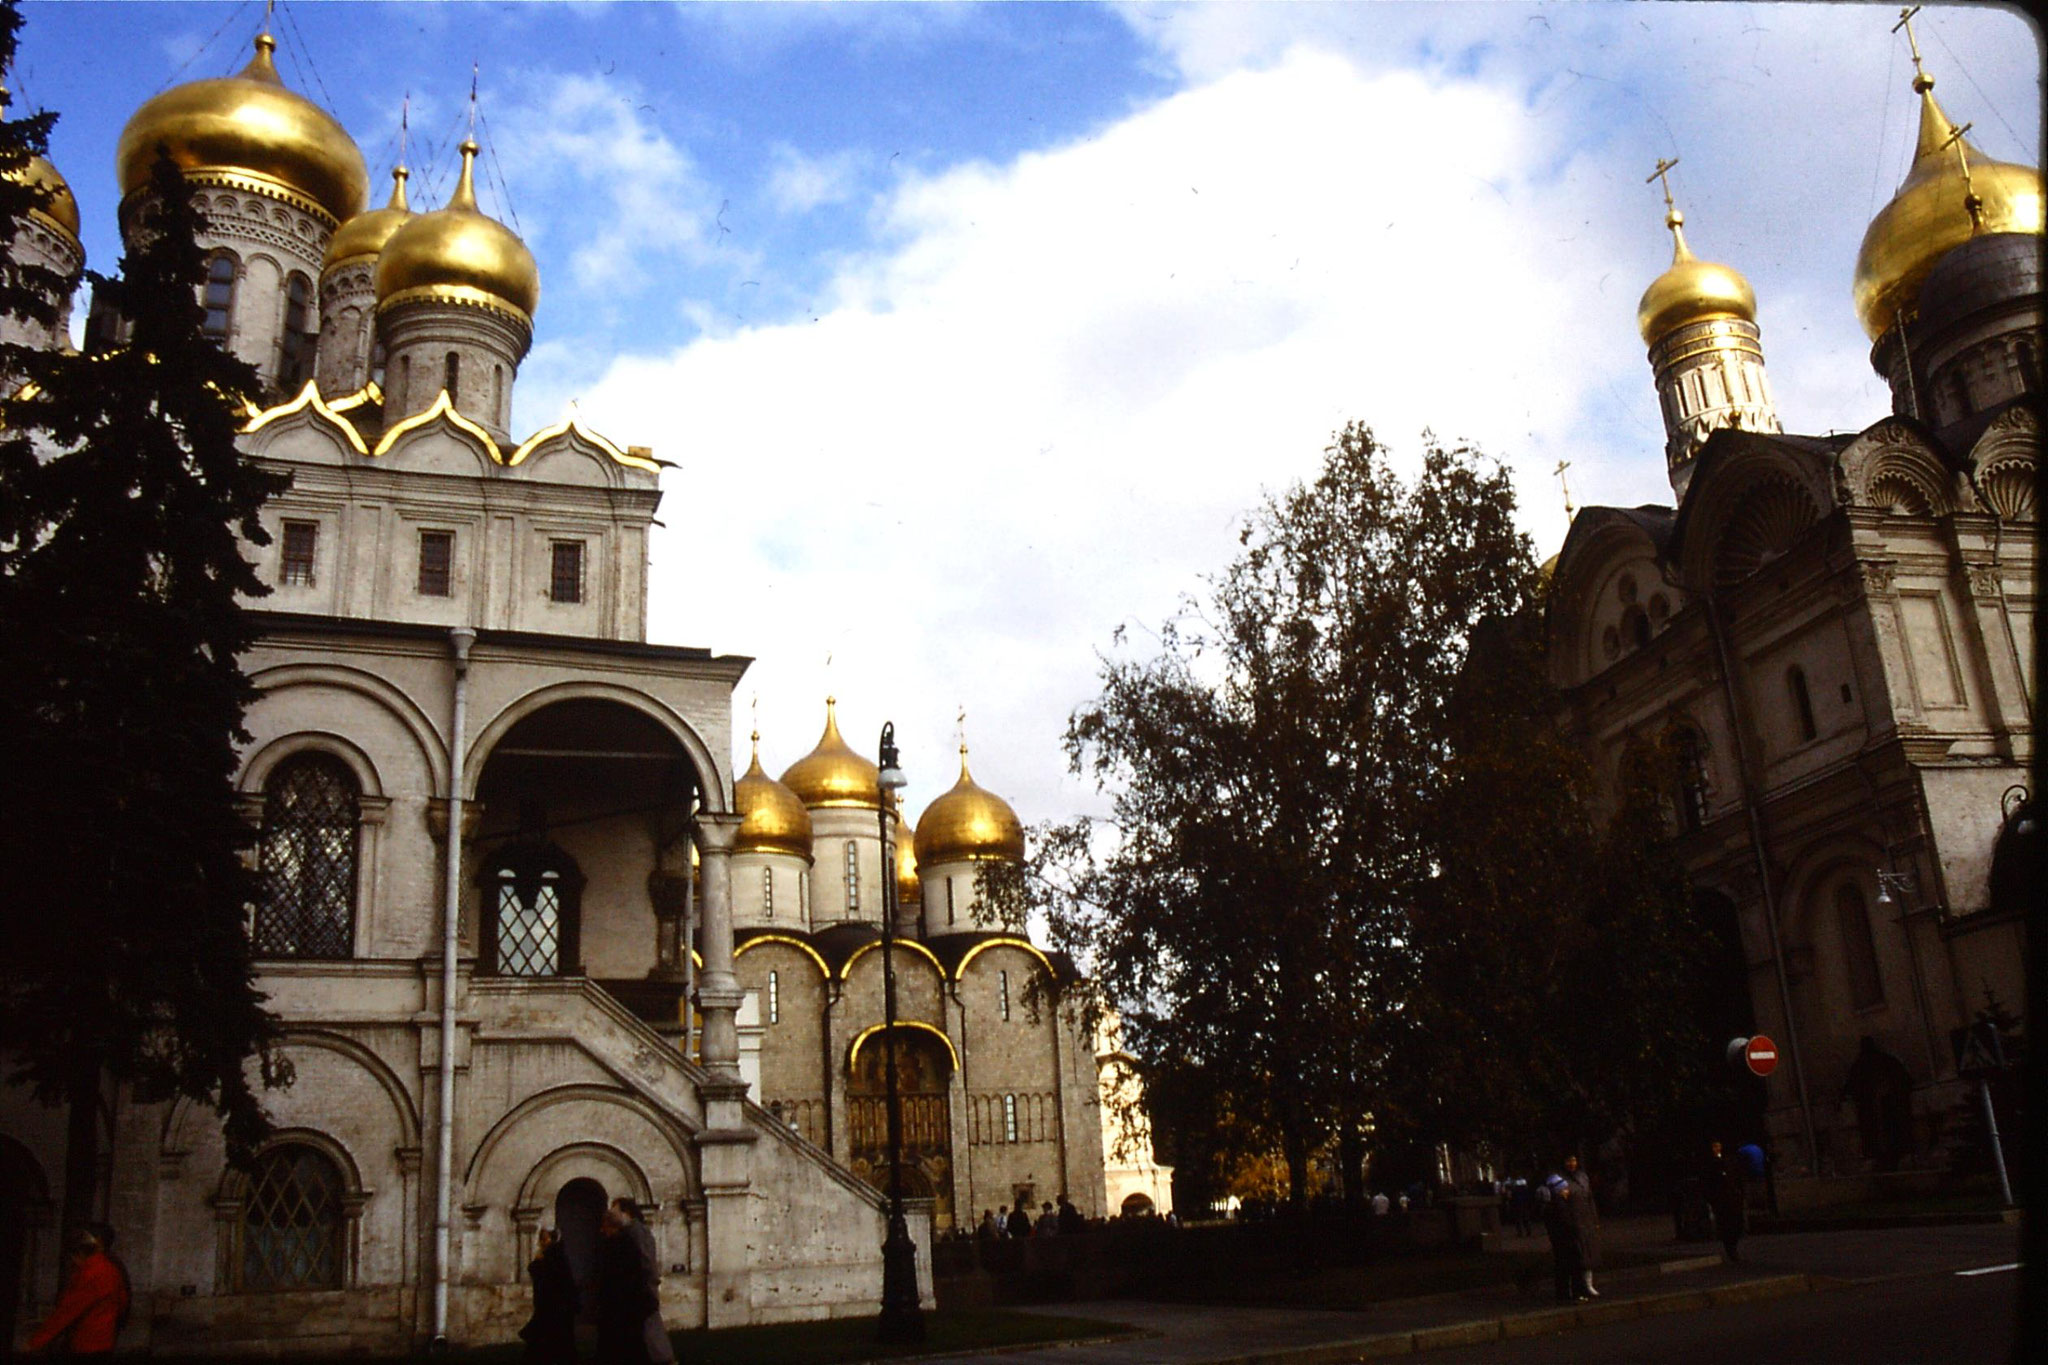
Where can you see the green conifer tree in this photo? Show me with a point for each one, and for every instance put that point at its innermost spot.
(123, 951)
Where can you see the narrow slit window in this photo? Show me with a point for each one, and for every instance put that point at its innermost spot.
(774, 997)
(1003, 987)
(1802, 702)
(295, 361)
(949, 900)
(565, 575)
(301, 539)
(452, 374)
(437, 562)
(768, 892)
(1009, 1118)
(852, 877)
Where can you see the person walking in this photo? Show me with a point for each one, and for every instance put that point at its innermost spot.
(550, 1334)
(87, 1316)
(1020, 1221)
(1587, 1214)
(659, 1350)
(623, 1298)
(1730, 1195)
(1560, 1220)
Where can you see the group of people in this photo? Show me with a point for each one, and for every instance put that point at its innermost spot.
(626, 1293)
(93, 1306)
(1018, 1223)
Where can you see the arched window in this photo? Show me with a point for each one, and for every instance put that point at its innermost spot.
(852, 877)
(452, 371)
(218, 297)
(533, 902)
(1636, 622)
(296, 357)
(293, 1222)
(1859, 952)
(377, 363)
(1802, 702)
(768, 892)
(774, 997)
(308, 859)
(498, 392)
(1009, 1118)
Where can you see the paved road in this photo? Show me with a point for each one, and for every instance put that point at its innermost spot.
(1920, 1310)
(1940, 1318)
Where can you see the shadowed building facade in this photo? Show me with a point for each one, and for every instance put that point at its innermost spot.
(1828, 641)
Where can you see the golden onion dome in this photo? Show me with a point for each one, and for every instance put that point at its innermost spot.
(833, 774)
(458, 254)
(772, 819)
(1930, 215)
(969, 823)
(248, 127)
(908, 894)
(367, 232)
(1692, 290)
(61, 211)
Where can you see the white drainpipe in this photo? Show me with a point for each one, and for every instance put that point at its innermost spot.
(459, 639)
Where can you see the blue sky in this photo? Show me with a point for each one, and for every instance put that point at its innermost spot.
(975, 329)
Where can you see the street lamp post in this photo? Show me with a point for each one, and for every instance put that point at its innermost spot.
(902, 1315)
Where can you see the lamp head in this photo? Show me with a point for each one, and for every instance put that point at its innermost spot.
(891, 777)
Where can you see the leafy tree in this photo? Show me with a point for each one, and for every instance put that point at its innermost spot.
(1271, 770)
(122, 947)
(1566, 974)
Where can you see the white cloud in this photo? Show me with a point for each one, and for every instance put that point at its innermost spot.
(798, 183)
(1042, 410)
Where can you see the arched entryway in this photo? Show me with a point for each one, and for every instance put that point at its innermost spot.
(24, 1205)
(924, 1073)
(579, 1205)
(587, 809)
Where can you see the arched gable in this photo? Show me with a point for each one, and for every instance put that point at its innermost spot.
(284, 677)
(2006, 464)
(787, 941)
(1609, 591)
(1894, 467)
(526, 1135)
(1752, 498)
(292, 424)
(440, 440)
(569, 452)
(186, 1122)
(712, 791)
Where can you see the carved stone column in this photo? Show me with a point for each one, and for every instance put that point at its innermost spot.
(718, 987)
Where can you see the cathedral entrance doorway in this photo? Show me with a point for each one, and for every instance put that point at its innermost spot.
(578, 1207)
(924, 1072)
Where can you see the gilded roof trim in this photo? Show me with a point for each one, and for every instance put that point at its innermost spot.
(574, 426)
(853, 1051)
(443, 409)
(309, 400)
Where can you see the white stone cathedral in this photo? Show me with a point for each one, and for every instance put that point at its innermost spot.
(459, 710)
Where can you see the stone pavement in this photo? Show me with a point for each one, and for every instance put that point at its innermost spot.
(1688, 1279)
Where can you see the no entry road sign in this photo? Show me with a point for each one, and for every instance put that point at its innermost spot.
(1761, 1054)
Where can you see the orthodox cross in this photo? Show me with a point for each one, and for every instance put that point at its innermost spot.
(1663, 173)
(1973, 205)
(1906, 23)
(1562, 466)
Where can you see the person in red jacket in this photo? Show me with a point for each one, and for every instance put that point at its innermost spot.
(88, 1313)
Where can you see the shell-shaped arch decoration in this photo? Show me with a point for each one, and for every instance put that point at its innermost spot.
(1890, 468)
(1764, 524)
(2008, 466)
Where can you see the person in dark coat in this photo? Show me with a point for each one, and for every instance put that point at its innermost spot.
(1588, 1215)
(1071, 1220)
(623, 1300)
(659, 1350)
(1020, 1221)
(550, 1334)
(1730, 1196)
(1560, 1220)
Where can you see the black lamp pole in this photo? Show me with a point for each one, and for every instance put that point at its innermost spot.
(902, 1314)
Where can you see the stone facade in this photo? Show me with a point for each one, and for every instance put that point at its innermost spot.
(1829, 643)
(457, 622)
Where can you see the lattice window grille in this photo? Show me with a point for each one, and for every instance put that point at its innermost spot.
(310, 814)
(292, 1225)
(530, 930)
